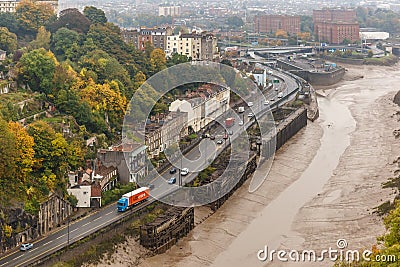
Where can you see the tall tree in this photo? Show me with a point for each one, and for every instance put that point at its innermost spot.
(25, 153)
(8, 40)
(42, 39)
(63, 39)
(157, 60)
(71, 19)
(31, 15)
(94, 14)
(37, 70)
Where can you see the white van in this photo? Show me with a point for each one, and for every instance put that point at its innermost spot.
(280, 95)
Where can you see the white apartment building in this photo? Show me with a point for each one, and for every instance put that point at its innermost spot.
(203, 111)
(8, 5)
(174, 11)
(197, 46)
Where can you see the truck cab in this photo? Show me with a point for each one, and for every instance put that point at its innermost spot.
(122, 204)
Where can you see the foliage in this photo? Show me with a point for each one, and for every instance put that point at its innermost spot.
(281, 33)
(71, 19)
(383, 19)
(234, 21)
(37, 69)
(94, 14)
(176, 58)
(31, 15)
(8, 40)
(116, 193)
(42, 39)
(306, 24)
(63, 39)
(9, 20)
(72, 200)
(149, 20)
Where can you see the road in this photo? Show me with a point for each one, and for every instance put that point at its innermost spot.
(109, 214)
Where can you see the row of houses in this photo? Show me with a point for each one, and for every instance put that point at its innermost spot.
(127, 163)
(198, 46)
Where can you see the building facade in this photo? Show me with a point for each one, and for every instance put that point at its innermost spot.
(272, 23)
(336, 25)
(139, 37)
(8, 5)
(260, 77)
(203, 110)
(173, 11)
(122, 156)
(201, 46)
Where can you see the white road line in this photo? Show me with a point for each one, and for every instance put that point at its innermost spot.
(74, 230)
(47, 243)
(60, 237)
(109, 213)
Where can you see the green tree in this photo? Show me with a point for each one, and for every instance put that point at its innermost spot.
(31, 15)
(63, 39)
(9, 20)
(42, 39)
(94, 14)
(8, 40)
(37, 68)
(235, 21)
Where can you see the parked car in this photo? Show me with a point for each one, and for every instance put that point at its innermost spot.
(250, 115)
(26, 246)
(250, 104)
(172, 170)
(240, 123)
(212, 137)
(219, 142)
(184, 171)
(230, 132)
(272, 99)
(172, 180)
(266, 102)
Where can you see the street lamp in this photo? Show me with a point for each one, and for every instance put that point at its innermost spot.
(63, 209)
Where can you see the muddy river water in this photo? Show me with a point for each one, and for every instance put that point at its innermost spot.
(322, 187)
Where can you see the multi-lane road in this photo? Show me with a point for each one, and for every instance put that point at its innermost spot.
(196, 161)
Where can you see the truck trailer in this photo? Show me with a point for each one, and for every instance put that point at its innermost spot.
(134, 197)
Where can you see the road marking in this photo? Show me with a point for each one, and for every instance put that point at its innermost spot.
(60, 237)
(47, 243)
(74, 230)
(109, 213)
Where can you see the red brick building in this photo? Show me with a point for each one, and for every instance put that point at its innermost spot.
(336, 25)
(272, 23)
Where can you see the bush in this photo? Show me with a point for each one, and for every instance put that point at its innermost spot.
(114, 194)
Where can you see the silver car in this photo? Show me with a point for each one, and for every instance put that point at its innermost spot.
(26, 246)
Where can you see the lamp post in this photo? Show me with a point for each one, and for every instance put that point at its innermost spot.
(63, 209)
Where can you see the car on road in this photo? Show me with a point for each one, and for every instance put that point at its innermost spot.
(26, 246)
(219, 142)
(250, 104)
(212, 137)
(240, 123)
(266, 102)
(172, 180)
(230, 132)
(272, 99)
(172, 170)
(185, 171)
(280, 95)
(250, 115)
